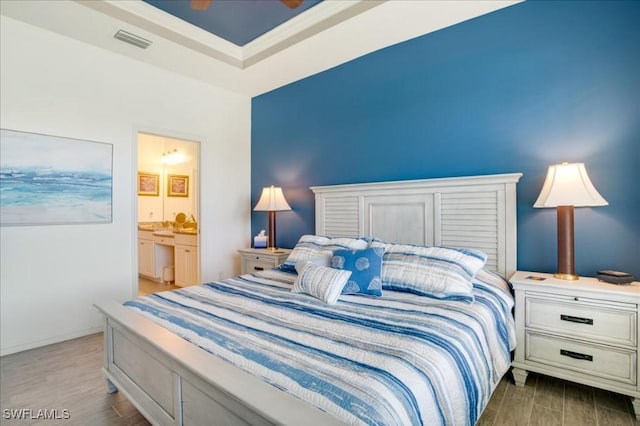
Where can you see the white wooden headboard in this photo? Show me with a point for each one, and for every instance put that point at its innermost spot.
(475, 212)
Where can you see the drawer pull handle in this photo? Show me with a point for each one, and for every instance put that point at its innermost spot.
(569, 318)
(258, 268)
(576, 355)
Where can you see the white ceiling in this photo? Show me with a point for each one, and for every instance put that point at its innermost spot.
(329, 34)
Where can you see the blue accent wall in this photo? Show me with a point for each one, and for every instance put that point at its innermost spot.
(516, 90)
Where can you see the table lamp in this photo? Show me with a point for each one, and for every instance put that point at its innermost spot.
(566, 186)
(272, 200)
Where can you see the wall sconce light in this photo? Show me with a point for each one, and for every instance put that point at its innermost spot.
(565, 187)
(272, 200)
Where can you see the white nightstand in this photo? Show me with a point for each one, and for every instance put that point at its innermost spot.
(260, 259)
(585, 331)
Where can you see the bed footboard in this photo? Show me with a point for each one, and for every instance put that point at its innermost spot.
(172, 382)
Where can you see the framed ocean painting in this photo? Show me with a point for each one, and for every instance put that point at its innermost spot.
(52, 180)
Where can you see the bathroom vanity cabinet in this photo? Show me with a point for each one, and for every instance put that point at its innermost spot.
(145, 254)
(158, 250)
(186, 260)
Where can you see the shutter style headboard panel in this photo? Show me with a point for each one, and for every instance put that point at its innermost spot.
(475, 212)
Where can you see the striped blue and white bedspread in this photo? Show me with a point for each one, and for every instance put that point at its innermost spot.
(400, 359)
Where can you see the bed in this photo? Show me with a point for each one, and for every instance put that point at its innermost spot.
(285, 357)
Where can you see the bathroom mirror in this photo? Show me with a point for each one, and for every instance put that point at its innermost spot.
(167, 179)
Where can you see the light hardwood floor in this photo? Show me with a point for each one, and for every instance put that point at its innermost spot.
(146, 286)
(62, 376)
(549, 401)
(66, 376)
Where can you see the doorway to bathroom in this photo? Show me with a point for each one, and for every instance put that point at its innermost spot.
(168, 206)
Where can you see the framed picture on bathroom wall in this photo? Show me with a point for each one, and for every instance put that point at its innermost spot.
(177, 186)
(54, 180)
(148, 184)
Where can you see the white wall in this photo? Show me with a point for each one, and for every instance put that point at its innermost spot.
(51, 275)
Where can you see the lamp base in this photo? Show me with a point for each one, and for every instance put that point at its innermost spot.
(566, 269)
(568, 277)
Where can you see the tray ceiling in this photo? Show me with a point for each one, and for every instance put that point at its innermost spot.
(324, 35)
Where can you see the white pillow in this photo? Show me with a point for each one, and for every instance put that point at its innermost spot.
(311, 246)
(323, 259)
(321, 282)
(440, 272)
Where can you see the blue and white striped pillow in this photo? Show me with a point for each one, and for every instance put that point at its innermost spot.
(313, 246)
(439, 272)
(321, 282)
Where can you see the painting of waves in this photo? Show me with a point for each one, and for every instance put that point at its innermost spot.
(48, 180)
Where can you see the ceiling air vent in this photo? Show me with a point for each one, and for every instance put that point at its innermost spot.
(137, 41)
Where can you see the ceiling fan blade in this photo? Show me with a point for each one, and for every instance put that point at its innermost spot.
(292, 4)
(200, 4)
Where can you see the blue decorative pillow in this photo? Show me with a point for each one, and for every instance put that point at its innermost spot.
(321, 282)
(365, 267)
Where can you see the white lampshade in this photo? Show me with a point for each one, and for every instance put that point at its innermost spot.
(568, 184)
(272, 200)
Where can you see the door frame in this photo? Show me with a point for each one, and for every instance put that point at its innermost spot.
(182, 136)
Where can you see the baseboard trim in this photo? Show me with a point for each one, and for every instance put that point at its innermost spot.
(44, 342)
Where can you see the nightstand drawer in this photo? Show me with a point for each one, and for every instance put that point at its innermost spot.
(263, 259)
(586, 319)
(254, 260)
(592, 360)
(254, 265)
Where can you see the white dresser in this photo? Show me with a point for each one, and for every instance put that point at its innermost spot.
(585, 331)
